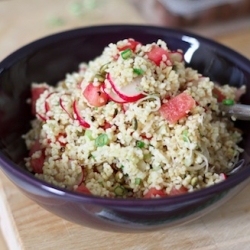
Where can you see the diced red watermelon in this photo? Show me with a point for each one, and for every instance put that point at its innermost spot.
(37, 163)
(95, 95)
(153, 192)
(83, 189)
(131, 45)
(175, 191)
(177, 107)
(156, 55)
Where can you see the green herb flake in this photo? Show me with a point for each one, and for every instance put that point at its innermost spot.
(140, 144)
(137, 181)
(228, 102)
(138, 71)
(127, 53)
(101, 140)
(185, 135)
(120, 191)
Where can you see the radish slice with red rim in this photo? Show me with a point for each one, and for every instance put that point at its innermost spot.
(130, 92)
(78, 116)
(223, 176)
(41, 117)
(46, 106)
(63, 104)
(46, 103)
(112, 95)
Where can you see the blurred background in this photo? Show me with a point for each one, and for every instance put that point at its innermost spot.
(23, 21)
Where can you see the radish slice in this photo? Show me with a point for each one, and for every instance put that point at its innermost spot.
(78, 116)
(80, 178)
(62, 104)
(47, 107)
(176, 56)
(223, 176)
(130, 92)
(41, 117)
(112, 95)
(46, 103)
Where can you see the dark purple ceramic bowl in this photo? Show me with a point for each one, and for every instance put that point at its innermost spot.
(48, 59)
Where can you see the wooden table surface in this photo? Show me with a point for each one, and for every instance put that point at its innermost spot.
(27, 226)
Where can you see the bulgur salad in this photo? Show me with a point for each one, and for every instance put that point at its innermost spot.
(133, 122)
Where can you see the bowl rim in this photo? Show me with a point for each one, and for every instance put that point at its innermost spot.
(8, 166)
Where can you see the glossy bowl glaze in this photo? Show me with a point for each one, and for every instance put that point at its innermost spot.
(48, 59)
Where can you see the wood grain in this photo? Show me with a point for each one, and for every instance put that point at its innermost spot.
(226, 228)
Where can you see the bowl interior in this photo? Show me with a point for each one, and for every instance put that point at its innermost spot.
(49, 59)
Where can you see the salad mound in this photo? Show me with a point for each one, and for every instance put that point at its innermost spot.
(133, 122)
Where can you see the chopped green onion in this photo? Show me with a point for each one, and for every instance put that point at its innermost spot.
(101, 183)
(88, 133)
(120, 190)
(138, 71)
(140, 144)
(185, 135)
(127, 53)
(137, 181)
(228, 102)
(101, 140)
